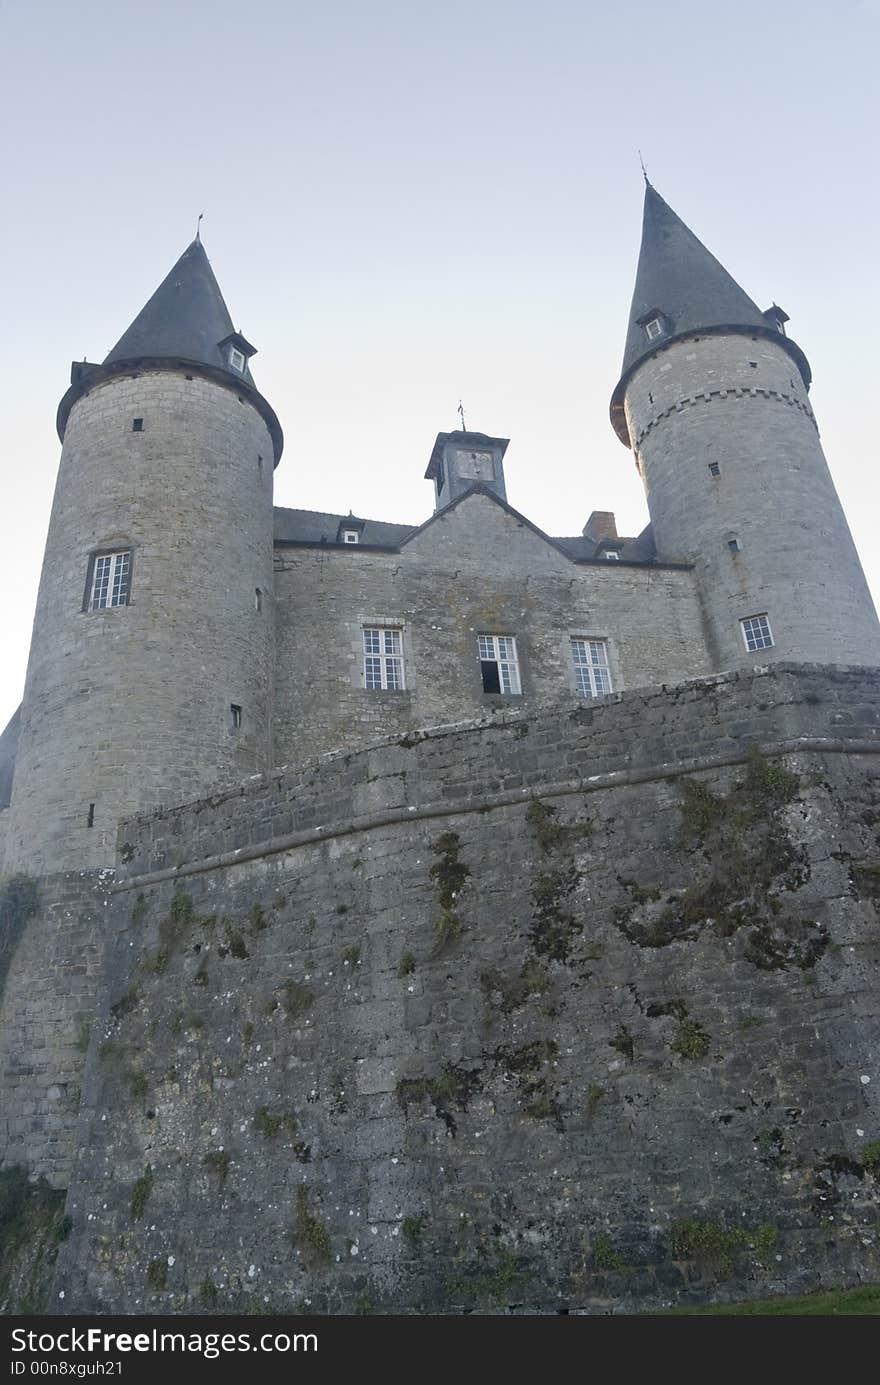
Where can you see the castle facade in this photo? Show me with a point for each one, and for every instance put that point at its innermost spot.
(187, 632)
(452, 917)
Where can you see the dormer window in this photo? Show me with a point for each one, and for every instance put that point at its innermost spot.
(350, 530)
(777, 317)
(237, 351)
(654, 323)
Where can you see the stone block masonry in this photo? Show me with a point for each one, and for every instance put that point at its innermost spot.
(572, 1010)
(49, 989)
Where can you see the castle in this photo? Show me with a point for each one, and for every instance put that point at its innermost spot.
(190, 639)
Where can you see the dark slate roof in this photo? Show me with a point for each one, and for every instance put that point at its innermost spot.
(185, 319)
(315, 527)
(634, 550)
(641, 549)
(8, 751)
(678, 276)
(579, 546)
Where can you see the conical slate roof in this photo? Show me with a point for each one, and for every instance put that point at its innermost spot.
(186, 319)
(678, 275)
(683, 284)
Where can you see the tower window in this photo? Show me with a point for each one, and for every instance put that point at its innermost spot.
(654, 329)
(499, 665)
(383, 659)
(754, 365)
(90, 817)
(137, 425)
(351, 536)
(109, 580)
(714, 469)
(234, 716)
(756, 632)
(258, 599)
(591, 672)
(734, 545)
(237, 359)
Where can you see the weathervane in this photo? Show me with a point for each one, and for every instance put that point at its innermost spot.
(461, 411)
(642, 162)
(198, 224)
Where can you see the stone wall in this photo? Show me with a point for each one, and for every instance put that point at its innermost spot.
(49, 984)
(575, 1010)
(474, 569)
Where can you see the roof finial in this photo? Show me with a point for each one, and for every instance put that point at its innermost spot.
(198, 224)
(460, 410)
(644, 170)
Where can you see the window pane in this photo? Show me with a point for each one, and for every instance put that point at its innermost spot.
(592, 675)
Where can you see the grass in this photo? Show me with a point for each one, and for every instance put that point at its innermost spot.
(861, 1302)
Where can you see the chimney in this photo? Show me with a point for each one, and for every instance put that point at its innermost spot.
(601, 525)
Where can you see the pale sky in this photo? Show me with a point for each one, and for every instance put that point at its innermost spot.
(408, 203)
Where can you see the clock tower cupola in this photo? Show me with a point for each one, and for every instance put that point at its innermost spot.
(462, 460)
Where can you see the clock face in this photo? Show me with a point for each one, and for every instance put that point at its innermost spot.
(476, 466)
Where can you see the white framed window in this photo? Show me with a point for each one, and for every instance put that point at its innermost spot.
(383, 659)
(654, 328)
(109, 580)
(592, 675)
(611, 555)
(756, 632)
(237, 359)
(351, 536)
(499, 665)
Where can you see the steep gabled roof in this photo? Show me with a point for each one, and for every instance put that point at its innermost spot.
(186, 319)
(681, 283)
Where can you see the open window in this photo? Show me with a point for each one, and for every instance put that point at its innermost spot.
(499, 665)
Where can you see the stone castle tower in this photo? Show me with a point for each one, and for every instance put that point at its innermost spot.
(154, 614)
(713, 401)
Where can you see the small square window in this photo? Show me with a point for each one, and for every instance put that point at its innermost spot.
(499, 665)
(654, 329)
(383, 659)
(109, 580)
(756, 632)
(237, 359)
(351, 536)
(234, 716)
(734, 545)
(591, 672)
(137, 425)
(714, 469)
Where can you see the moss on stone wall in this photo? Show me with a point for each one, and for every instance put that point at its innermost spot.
(32, 1227)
